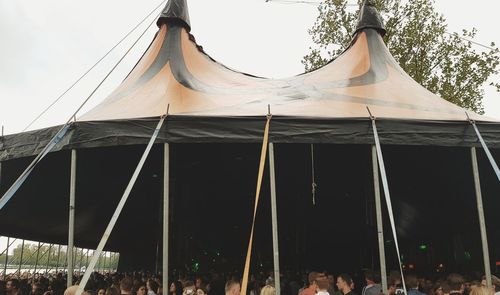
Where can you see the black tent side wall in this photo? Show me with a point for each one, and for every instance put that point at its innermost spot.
(184, 129)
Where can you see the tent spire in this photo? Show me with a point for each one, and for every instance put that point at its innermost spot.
(176, 11)
(369, 18)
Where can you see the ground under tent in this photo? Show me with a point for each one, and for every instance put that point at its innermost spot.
(212, 194)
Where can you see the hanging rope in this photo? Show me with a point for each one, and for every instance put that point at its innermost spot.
(118, 210)
(385, 184)
(244, 281)
(92, 67)
(485, 147)
(313, 183)
(61, 133)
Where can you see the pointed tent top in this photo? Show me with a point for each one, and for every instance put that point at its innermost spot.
(369, 17)
(177, 11)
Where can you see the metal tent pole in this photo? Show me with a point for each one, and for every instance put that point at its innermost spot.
(166, 200)
(71, 226)
(482, 223)
(6, 257)
(380, 224)
(274, 216)
(21, 258)
(37, 256)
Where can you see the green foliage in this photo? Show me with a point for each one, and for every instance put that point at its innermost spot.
(417, 37)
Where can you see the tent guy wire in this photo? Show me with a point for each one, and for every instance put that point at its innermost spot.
(92, 67)
(62, 131)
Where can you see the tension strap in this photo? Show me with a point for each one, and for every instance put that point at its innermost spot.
(263, 154)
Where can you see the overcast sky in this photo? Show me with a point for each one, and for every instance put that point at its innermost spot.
(46, 45)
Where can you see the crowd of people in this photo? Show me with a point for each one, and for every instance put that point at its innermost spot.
(312, 283)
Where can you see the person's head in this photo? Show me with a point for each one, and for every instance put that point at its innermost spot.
(198, 282)
(12, 285)
(202, 290)
(152, 285)
(322, 283)
(268, 290)
(126, 285)
(456, 283)
(141, 289)
(437, 289)
(112, 291)
(331, 279)
(371, 277)
(189, 288)
(101, 292)
(411, 281)
(344, 283)
(393, 283)
(312, 278)
(36, 289)
(175, 288)
(232, 287)
(480, 290)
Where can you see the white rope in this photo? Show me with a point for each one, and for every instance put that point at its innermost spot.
(118, 210)
(92, 67)
(486, 149)
(61, 133)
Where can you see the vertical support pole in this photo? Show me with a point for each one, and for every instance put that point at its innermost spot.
(21, 258)
(71, 227)
(482, 223)
(274, 216)
(380, 225)
(48, 258)
(58, 257)
(6, 257)
(37, 257)
(166, 200)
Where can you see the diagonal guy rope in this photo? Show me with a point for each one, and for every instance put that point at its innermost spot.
(263, 154)
(61, 133)
(118, 210)
(485, 148)
(92, 67)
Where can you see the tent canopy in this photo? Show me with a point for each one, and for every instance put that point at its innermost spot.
(208, 102)
(175, 71)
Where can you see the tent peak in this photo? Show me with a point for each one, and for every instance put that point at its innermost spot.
(175, 11)
(369, 18)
